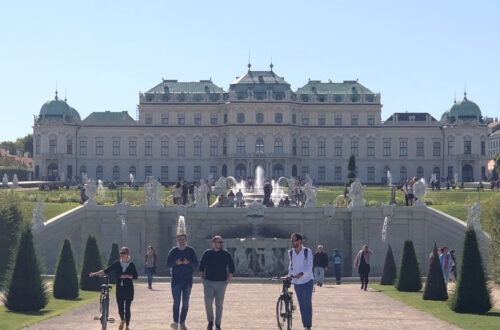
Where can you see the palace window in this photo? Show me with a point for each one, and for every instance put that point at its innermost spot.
(197, 172)
(53, 146)
(294, 147)
(132, 148)
(450, 172)
(305, 120)
(181, 148)
(370, 151)
(99, 147)
(305, 171)
(149, 119)
(214, 148)
(450, 148)
(321, 120)
(338, 120)
(116, 173)
(99, 172)
(213, 171)
(37, 145)
(403, 148)
(483, 148)
(164, 173)
(148, 148)
(69, 147)
(278, 146)
(321, 148)
(213, 120)
(338, 173)
(354, 120)
(321, 173)
(436, 148)
(240, 117)
(437, 171)
(197, 119)
(164, 148)
(181, 119)
(224, 146)
(371, 173)
(180, 172)
(259, 118)
(420, 172)
(116, 148)
(305, 148)
(278, 118)
(403, 173)
(83, 170)
(338, 148)
(294, 119)
(164, 119)
(240, 146)
(132, 170)
(387, 148)
(420, 148)
(354, 147)
(259, 146)
(148, 171)
(197, 148)
(371, 121)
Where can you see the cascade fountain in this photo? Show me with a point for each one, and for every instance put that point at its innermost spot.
(257, 192)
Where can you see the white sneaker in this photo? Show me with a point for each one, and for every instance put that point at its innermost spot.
(174, 325)
(182, 326)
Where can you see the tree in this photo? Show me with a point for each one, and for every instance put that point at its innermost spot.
(351, 167)
(492, 226)
(11, 223)
(471, 293)
(408, 278)
(66, 279)
(389, 271)
(114, 255)
(91, 263)
(26, 291)
(435, 287)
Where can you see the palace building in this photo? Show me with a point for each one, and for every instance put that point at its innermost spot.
(196, 130)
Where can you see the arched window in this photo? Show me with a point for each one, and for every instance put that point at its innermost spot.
(437, 171)
(420, 172)
(132, 170)
(240, 171)
(99, 172)
(294, 147)
(403, 173)
(294, 170)
(83, 170)
(278, 146)
(259, 118)
(240, 146)
(116, 173)
(259, 146)
(278, 171)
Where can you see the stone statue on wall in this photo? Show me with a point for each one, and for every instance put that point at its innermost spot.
(223, 184)
(38, 218)
(200, 194)
(241, 258)
(256, 209)
(15, 181)
(356, 194)
(91, 192)
(265, 259)
(153, 192)
(388, 211)
(5, 181)
(310, 192)
(419, 190)
(474, 215)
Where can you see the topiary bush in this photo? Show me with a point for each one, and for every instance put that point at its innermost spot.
(114, 255)
(91, 263)
(26, 291)
(435, 287)
(389, 272)
(408, 278)
(471, 293)
(11, 223)
(66, 279)
(491, 224)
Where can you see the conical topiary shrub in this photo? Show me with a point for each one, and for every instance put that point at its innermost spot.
(91, 263)
(11, 222)
(25, 291)
(435, 288)
(408, 278)
(471, 293)
(66, 279)
(389, 272)
(114, 255)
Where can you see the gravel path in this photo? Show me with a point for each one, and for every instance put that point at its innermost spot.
(252, 306)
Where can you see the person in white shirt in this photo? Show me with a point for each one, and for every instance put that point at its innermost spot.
(301, 269)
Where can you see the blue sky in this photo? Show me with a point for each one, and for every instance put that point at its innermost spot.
(102, 53)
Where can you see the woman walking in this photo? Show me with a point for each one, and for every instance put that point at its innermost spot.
(150, 267)
(362, 262)
(125, 272)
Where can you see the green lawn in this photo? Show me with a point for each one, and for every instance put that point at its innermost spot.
(11, 320)
(441, 309)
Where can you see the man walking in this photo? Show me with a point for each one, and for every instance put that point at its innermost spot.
(216, 270)
(182, 261)
(446, 263)
(337, 263)
(301, 269)
(320, 263)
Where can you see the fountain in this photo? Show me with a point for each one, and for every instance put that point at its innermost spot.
(101, 194)
(257, 192)
(393, 188)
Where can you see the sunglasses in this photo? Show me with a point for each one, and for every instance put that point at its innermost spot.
(123, 252)
(220, 242)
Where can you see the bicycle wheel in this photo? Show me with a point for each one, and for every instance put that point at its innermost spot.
(104, 313)
(284, 314)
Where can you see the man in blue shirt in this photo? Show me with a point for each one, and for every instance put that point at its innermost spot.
(337, 263)
(182, 261)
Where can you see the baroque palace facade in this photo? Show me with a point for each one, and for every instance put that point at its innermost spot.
(195, 130)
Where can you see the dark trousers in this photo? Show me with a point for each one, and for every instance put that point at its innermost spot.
(337, 273)
(304, 296)
(124, 308)
(363, 275)
(181, 290)
(149, 273)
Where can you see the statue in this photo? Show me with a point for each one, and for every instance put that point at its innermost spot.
(265, 259)
(356, 194)
(132, 180)
(153, 192)
(121, 212)
(256, 209)
(310, 192)
(241, 258)
(5, 181)
(200, 194)
(85, 178)
(38, 218)
(90, 192)
(100, 188)
(419, 190)
(15, 181)
(223, 184)
(474, 215)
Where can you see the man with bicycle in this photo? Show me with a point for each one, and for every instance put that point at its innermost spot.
(301, 269)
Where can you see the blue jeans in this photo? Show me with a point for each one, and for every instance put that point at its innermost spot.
(179, 289)
(446, 275)
(304, 296)
(149, 273)
(337, 273)
(319, 275)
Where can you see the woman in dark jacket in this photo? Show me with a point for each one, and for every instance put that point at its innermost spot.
(124, 272)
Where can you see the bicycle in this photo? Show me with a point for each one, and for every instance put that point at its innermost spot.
(104, 305)
(284, 305)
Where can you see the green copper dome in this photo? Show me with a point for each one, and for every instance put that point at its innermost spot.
(57, 109)
(464, 110)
